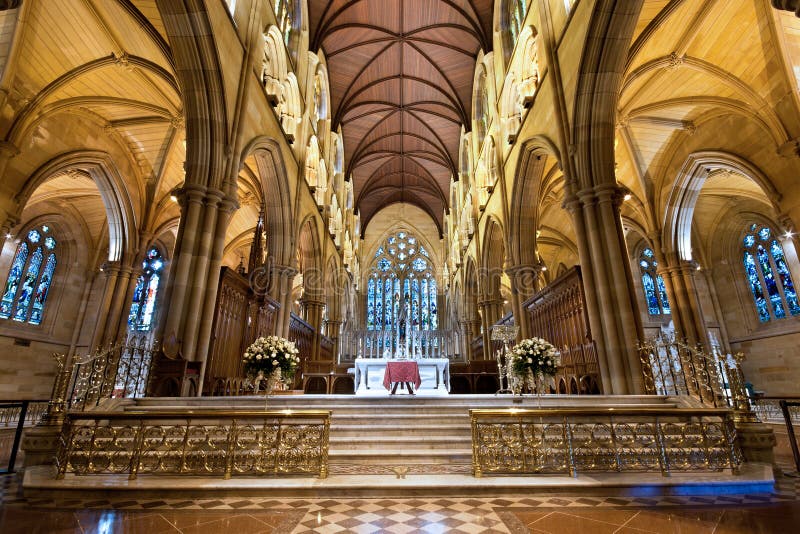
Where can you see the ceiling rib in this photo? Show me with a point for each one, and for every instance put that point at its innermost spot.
(401, 76)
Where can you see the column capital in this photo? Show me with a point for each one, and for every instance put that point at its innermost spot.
(284, 270)
(190, 193)
(110, 268)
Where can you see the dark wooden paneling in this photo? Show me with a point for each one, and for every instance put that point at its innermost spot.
(557, 313)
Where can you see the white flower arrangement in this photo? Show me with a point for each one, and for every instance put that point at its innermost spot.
(534, 355)
(271, 356)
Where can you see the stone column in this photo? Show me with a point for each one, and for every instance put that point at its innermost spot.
(280, 289)
(206, 320)
(312, 313)
(524, 284)
(200, 276)
(334, 327)
(190, 199)
(608, 285)
(685, 308)
(111, 271)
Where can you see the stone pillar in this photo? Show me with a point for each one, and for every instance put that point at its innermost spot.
(280, 289)
(200, 276)
(524, 284)
(608, 284)
(206, 321)
(190, 199)
(190, 295)
(685, 306)
(334, 327)
(122, 321)
(312, 313)
(111, 271)
(491, 312)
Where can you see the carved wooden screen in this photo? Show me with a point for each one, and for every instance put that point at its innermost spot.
(557, 313)
(239, 318)
(230, 326)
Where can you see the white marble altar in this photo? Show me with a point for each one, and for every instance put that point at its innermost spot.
(435, 374)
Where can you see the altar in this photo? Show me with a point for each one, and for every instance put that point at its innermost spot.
(434, 372)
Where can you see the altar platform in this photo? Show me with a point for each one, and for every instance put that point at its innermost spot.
(404, 445)
(369, 373)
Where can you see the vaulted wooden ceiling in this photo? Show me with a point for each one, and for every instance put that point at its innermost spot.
(401, 74)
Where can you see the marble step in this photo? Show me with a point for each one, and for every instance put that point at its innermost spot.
(357, 430)
(339, 418)
(381, 443)
(398, 456)
(386, 402)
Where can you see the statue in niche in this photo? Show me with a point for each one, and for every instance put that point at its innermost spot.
(530, 75)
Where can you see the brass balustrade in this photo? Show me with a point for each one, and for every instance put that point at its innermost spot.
(768, 409)
(206, 442)
(569, 441)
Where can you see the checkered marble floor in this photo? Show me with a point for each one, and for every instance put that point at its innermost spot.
(409, 515)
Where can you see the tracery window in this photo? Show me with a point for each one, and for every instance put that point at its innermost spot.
(768, 274)
(284, 14)
(143, 307)
(517, 10)
(655, 292)
(402, 285)
(483, 109)
(29, 278)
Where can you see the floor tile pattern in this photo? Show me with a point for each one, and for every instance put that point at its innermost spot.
(764, 513)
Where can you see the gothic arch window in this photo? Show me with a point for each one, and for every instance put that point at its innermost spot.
(286, 15)
(402, 275)
(29, 278)
(515, 12)
(655, 292)
(482, 108)
(768, 274)
(143, 307)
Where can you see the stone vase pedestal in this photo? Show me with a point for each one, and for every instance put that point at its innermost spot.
(757, 442)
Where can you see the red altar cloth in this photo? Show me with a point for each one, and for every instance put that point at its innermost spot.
(402, 371)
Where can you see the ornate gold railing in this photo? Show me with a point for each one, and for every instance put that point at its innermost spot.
(211, 443)
(570, 441)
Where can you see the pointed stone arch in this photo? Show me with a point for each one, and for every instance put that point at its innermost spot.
(123, 235)
(275, 196)
(680, 202)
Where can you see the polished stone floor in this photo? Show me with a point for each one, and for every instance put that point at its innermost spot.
(778, 512)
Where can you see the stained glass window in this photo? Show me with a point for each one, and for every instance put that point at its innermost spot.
(655, 291)
(768, 275)
(516, 17)
(143, 307)
(30, 277)
(401, 263)
(284, 14)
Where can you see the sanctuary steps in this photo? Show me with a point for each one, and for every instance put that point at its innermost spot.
(375, 435)
(429, 437)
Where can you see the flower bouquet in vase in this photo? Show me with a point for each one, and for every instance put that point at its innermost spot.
(273, 359)
(533, 363)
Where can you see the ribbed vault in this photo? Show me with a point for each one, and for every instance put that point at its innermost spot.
(401, 74)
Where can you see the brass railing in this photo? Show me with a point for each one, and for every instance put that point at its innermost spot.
(11, 410)
(671, 367)
(223, 443)
(768, 409)
(569, 441)
(117, 371)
